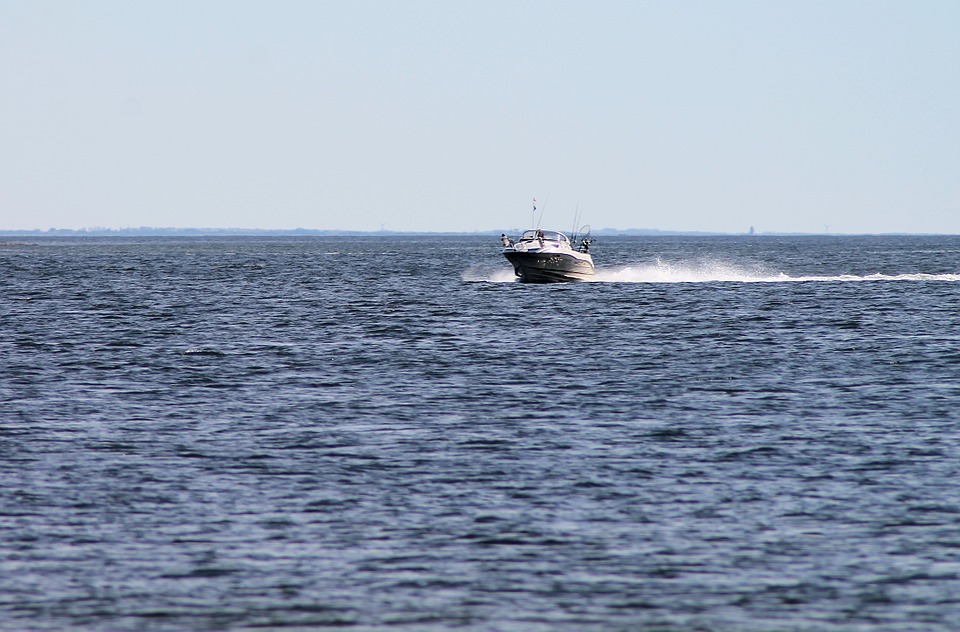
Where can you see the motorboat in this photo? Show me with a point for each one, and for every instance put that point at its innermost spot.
(547, 256)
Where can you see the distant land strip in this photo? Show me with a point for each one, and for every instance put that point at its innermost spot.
(147, 231)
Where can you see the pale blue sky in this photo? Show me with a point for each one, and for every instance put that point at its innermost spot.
(451, 115)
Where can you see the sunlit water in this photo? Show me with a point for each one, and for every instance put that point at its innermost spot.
(717, 434)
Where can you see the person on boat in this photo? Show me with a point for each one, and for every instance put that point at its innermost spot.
(540, 237)
(505, 240)
(585, 245)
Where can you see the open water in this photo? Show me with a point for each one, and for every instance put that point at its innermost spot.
(724, 433)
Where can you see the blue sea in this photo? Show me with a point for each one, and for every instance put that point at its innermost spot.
(390, 433)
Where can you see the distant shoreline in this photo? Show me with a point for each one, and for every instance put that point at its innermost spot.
(307, 232)
(296, 232)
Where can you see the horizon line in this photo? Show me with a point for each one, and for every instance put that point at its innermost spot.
(214, 231)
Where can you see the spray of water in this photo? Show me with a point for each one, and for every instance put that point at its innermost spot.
(660, 272)
(707, 272)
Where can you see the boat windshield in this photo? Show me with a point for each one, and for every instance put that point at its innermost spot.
(548, 235)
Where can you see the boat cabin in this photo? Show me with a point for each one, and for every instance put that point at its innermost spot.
(546, 235)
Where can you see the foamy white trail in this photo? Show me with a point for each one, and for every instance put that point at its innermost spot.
(660, 272)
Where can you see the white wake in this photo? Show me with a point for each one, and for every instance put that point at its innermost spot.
(661, 272)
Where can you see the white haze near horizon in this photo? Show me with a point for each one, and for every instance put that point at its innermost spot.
(450, 116)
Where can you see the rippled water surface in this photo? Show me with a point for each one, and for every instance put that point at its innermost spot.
(719, 434)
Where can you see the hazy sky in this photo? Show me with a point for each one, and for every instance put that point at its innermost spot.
(451, 115)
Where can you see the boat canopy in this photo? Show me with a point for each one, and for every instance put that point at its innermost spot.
(548, 235)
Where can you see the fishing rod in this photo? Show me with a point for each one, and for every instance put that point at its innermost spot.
(576, 221)
(542, 209)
